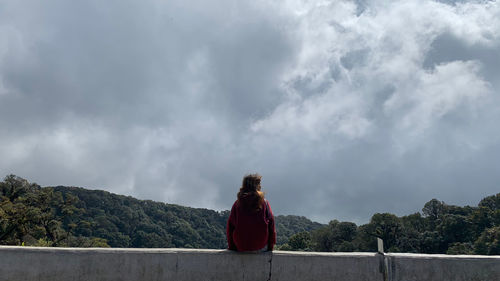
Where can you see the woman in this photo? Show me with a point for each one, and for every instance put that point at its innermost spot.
(250, 226)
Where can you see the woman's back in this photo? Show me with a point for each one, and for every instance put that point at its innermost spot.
(250, 225)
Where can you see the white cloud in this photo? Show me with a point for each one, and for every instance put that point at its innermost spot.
(346, 107)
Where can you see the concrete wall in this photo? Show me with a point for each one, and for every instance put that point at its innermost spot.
(54, 264)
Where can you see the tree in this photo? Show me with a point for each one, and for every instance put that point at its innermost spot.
(491, 202)
(455, 228)
(336, 236)
(489, 242)
(322, 240)
(481, 218)
(16, 212)
(387, 227)
(344, 231)
(411, 235)
(300, 241)
(432, 243)
(460, 249)
(14, 187)
(433, 210)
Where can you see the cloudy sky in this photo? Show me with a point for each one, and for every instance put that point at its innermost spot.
(345, 107)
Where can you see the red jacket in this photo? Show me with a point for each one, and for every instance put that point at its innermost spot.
(251, 231)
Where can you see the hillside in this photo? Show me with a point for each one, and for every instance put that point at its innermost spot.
(73, 216)
(78, 217)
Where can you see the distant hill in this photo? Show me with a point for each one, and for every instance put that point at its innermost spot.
(78, 217)
(286, 226)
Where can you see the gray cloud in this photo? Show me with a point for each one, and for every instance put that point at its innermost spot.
(346, 107)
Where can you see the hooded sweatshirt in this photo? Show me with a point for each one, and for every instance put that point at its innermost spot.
(250, 230)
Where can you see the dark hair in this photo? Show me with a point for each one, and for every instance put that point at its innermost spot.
(250, 192)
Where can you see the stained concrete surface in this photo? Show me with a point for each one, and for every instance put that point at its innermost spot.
(96, 264)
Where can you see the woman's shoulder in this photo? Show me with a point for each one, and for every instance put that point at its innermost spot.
(265, 205)
(236, 203)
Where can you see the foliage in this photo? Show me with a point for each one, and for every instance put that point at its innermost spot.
(335, 237)
(441, 228)
(77, 217)
(287, 226)
(489, 242)
(300, 241)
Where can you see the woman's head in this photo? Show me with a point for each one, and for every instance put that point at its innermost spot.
(251, 182)
(250, 196)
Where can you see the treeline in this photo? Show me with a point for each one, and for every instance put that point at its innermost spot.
(439, 229)
(76, 217)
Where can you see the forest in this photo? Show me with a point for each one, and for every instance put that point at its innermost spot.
(31, 215)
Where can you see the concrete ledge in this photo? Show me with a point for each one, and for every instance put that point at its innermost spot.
(413, 267)
(54, 264)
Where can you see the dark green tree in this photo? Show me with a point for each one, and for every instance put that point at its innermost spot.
(300, 241)
(388, 227)
(489, 242)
